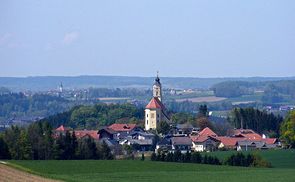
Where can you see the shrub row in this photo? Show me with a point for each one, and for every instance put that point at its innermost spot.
(188, 157)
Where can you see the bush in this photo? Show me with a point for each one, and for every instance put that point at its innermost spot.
(253, 160)
(196, 157)
(153, 156)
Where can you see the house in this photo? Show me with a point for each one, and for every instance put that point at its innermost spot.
(106, 133)
(164, 145)
(118, 131)
(186, 128)
(183, 144)
(115, 147)
(246, 145)
(139, 145)
(271, 141)
(87, 133)
(228, 143)
(124, 128)
(139, 140)
(61, 130)
(141, 135)
(207, 132)
(246, 133)
(205, 141)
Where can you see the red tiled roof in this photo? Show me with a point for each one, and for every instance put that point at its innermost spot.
(122, 127)
(155, 103)
(242, 131)
(252, 136)
(82, 133)
(207, 132)
(199, 138)
(62, 128)
(270, 140)
(229, 141)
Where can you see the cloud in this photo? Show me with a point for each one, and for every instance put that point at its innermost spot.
(70, 37)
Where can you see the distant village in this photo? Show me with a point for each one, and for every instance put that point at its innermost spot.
(182, 137)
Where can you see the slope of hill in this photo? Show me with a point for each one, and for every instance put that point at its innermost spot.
(51, 82)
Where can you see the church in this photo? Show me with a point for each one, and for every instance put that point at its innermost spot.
(155, 111)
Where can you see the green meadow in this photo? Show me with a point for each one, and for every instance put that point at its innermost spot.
(127, 170)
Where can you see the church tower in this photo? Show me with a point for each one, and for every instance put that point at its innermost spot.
(157, 88)
(155, 111)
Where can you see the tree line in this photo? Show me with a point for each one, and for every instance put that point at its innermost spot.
(37, 142)
(249, 160)
(259, 121)
(126, 92)
(272, 89)
(188, 157)
(288, 130)
(239, 159)
(93, 117)
(18, 104)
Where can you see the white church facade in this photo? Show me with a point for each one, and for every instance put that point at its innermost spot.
(155, 111)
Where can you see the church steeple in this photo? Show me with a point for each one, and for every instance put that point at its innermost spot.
(157, 88)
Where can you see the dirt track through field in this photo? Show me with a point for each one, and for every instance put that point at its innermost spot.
(9, 174)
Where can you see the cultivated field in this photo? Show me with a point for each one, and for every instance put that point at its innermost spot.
(9, 174)
(127, 170)
(202, 99)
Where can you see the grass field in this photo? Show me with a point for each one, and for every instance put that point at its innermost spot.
(127, 170)
(151, 171)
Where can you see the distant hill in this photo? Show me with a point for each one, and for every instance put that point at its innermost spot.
(41, 83)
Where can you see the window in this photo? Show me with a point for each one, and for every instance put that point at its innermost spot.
(147, 122)
(147, 115)
(152, 115)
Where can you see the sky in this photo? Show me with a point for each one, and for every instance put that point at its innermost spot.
(186, 38)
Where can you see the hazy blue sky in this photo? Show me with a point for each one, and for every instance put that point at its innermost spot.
(199, 38)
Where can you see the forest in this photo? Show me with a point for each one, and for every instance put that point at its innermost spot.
(273, 90)
(18, 104)
(37, 142)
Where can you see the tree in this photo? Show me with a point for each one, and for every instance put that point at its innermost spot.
(203, 111)
(153, 156)
(83, 115)
(4, 151)
(288, 130)
(142, 157)
(169, 157)
(163, 127)
(204, 122)
(187, 157)
(41, 141)
(177, 156)
(196, 157)
(86, 149)
(260, 121)
(11, 138)
(25, 149)
(105, 151)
